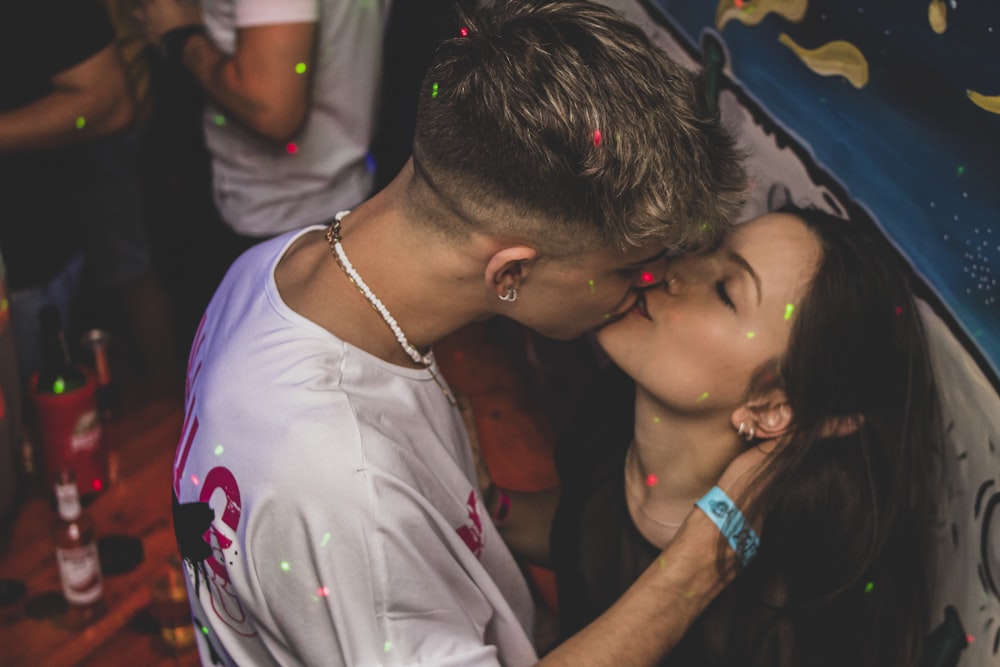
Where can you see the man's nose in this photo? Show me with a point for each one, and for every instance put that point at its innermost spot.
(650, 275)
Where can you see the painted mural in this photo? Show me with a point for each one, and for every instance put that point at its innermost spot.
(888, 112)
(900, 102)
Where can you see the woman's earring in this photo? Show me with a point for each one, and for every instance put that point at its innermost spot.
(509, 295)
(747, 433)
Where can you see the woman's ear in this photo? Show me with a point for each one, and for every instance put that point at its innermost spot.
(769, 416)
(508, 267)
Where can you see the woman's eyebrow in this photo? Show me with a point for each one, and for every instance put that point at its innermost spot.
(741, 262)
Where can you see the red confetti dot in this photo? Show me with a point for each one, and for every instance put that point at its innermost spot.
(323, 591)
(651, 479)
(899, 311)
(647, 277)
(969, 639)
(97, 484)
(464, 32)
(597, 137)
(292, 148)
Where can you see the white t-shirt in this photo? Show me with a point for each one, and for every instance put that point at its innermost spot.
(261, 188)
(347, 528)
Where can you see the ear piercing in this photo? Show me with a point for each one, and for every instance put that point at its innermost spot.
(509, 295)
(748, 433)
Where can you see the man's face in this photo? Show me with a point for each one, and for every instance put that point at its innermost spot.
(563, 299)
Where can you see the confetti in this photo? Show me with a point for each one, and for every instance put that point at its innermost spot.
(387, 647)
(59, 386)
(218, 450)
(292, 148)
(651, 479)
(434, 91)
(789, 309)
(204, 629)
(656, 420)
(285, 566)
(647, 277)
(195, 480)
(592, 289)
(97, 485)
(326, 538)
(869, 586)
(464, 32)
(300, 68)
(703, 396)
(322, 591)
(80, 122)
(597, 137)
(220, 120)
(750, 334)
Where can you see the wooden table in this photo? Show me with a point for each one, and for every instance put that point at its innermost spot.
(136, 504)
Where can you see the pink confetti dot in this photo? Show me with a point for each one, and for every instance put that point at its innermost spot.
(464, 32)
(651, 479)
(597, 137)
(292, 148)
(647, 277)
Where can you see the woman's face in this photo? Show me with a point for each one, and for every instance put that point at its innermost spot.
(717, 317)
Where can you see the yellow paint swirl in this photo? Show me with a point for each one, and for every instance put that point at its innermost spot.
(752, 12)
(833, 58)
(937, 16)
(990, 103)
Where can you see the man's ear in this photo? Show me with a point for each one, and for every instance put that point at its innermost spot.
(769, 415)
(507, 268)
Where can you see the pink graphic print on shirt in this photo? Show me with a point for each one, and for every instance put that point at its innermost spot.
(222, 492)
(472, 532)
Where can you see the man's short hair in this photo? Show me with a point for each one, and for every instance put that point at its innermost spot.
(556, 121)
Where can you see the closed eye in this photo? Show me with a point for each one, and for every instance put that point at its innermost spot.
(720, 289)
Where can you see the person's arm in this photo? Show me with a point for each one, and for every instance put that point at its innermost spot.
(649, 620)
(89, 100)
(264, 85)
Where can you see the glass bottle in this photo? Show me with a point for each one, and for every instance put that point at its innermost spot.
(74, 535)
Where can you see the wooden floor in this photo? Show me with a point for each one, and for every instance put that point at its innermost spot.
(136, 504)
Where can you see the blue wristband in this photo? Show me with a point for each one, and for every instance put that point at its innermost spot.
(729, 519)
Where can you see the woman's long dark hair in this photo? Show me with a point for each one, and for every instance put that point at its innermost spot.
(842, 576)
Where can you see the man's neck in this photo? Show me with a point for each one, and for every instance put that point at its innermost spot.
(417, 280)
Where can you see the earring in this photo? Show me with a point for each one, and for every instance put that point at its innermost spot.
(509, 295)
(747, 433)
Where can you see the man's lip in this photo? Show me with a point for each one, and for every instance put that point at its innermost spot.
(639, 307)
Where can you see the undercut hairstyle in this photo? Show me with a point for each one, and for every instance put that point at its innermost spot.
(558, 122)
(846, 504)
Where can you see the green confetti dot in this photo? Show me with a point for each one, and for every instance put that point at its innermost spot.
(80, 122)
(434, 90)
(220, 120)
(204, 629)
(607, 316)
(703, 396)
(869, 586)
(326, 538)
(656, 420)
(4, 304)
(218, 450)
(960, 171)
(592, 289)
(59, 386)
(789, 309)
(285, 566)
(750, 334)
(300, 68)
(387, 647)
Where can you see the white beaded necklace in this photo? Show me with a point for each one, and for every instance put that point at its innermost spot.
(333, 238)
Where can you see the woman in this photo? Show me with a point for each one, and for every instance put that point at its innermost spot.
(799, 336)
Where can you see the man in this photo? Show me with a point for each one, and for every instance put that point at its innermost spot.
(292, 89)
(71, 91)
(557, 156)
